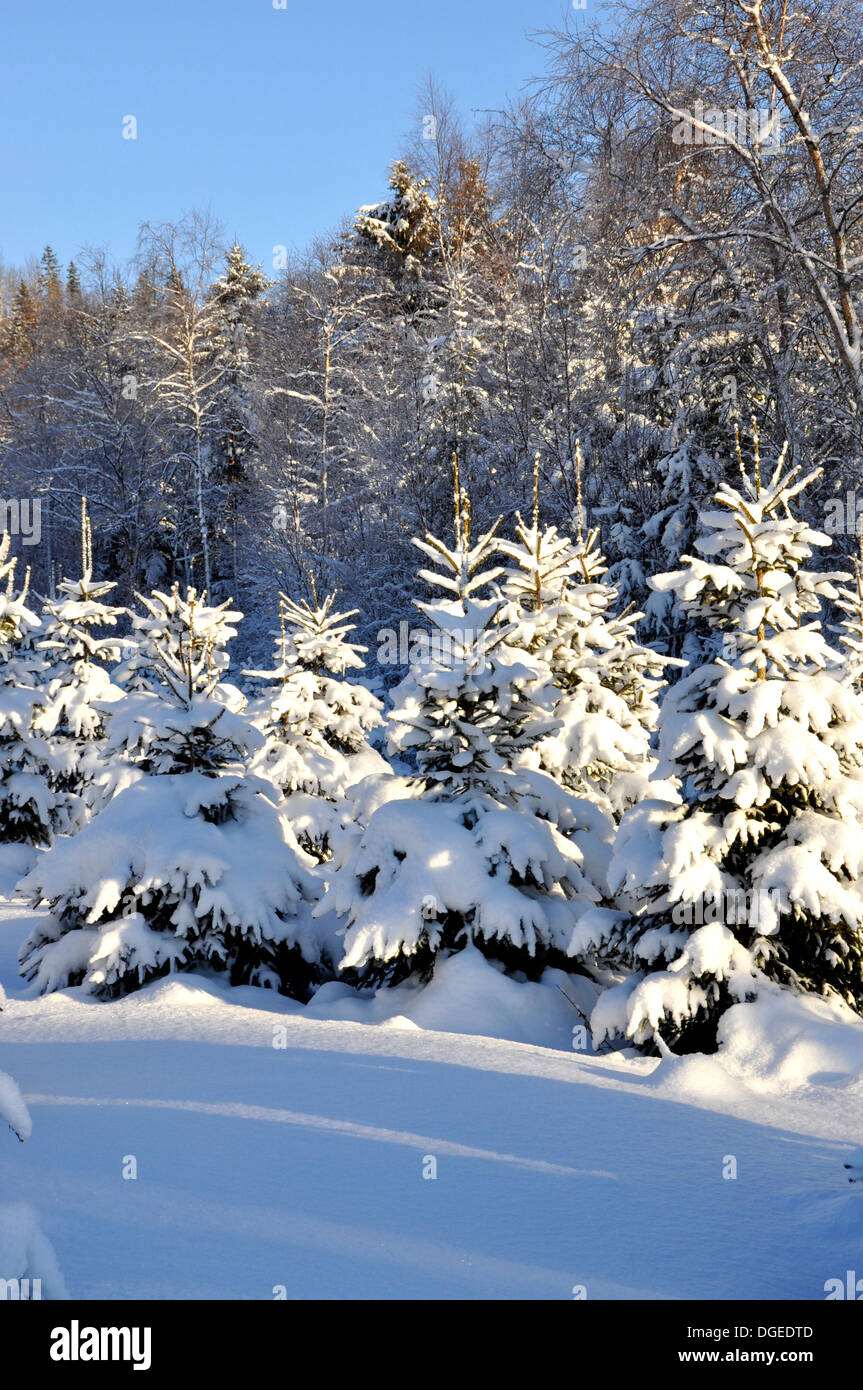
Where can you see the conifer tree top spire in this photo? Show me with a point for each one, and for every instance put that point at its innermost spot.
(316, 635)
(536, 460)
(751, 581)
(182, 716)
(460, 569)
(15, 617)
(86, 540)
(73, 620)
(182, 641)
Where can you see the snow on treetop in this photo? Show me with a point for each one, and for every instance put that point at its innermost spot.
(182, 640)
(174, 870)
(318, 636)
(428, 866)
(752, 582)
(460, 569)
(72, 624)
(16, 619)
(544, 561)
(463, 620)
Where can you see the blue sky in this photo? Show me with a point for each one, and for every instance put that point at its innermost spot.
(279, 119)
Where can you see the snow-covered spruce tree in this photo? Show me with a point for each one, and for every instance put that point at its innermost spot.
(755, 873)
(482, 853)
(316, 722)
(235, 293)
(404, 226)
(176, 653)
(606, 681)
(690, 476)
(78, 683)
(27, 802)
(190, 867)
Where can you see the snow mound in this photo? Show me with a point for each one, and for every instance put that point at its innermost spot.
(698, 1079)
(15, 861)
(468, 994)
(12, 1107)
(783, 1042)
(25, 1252)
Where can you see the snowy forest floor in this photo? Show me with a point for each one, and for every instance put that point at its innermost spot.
(302, 1165)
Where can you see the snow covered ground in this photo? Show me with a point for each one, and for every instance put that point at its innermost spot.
(283, 1147)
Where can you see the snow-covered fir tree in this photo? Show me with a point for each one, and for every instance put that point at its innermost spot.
(234, 293)
(606, 682)
(483, 851)
(190, 867)
(467, 710)
(27, 801)
(754, 874)
(690, 475)
(177, 657)
(403, 226)
(316, 721)
(78, 684)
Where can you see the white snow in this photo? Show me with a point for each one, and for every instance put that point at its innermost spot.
(26, 1254)
(282, 1145)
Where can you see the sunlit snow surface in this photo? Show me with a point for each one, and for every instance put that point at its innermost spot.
(301, 1166)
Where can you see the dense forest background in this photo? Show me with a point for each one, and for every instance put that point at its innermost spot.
(660, 241)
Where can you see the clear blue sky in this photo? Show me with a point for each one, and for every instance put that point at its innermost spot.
(280, 119)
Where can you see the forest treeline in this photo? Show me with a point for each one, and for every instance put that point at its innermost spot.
(657, 242)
